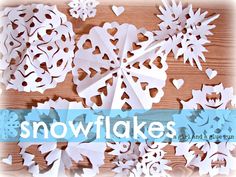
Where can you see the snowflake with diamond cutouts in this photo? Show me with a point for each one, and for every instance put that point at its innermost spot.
(213, 120)
(184, 31)
(83, 8)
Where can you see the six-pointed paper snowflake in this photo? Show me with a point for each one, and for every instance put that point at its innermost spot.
(62, 158)
(36, 47)
(184, 31)
(9, 124)
(83, 8)
(217, 158)
(135, 160)
(116, 67)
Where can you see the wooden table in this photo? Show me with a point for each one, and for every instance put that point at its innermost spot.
(220, 56)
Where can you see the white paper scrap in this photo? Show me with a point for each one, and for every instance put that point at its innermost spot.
(118, 10)
(7, 160)
(178, 83)
(211, 73)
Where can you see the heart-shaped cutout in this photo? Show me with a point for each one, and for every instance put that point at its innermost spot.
(118, 10)
(8, 160)
(211, 73)
(178, 83)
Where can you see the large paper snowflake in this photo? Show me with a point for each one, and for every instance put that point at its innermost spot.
(83, 8)
(218, 156)
(117, 68)
(184, 31)
(135, 160)
(61, 156)
(36, 47)
(9, 124)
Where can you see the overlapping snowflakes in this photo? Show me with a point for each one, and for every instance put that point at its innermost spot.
(140, 159)
(116, 66)
(217, 157)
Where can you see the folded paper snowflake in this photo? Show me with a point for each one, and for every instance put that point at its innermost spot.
(83, 8)
(116, 67)
(36, 47)
(210, 97)
(217, 156)
(135, 160)
(61, 156)
(9, 124)
(184, 31)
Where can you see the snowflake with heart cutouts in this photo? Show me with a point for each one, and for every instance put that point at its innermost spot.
(139, 159)
(214, 118)
(83, 8)
(116, 67)
(184, 31)
(62, 156)
(9, 124)
(36, 47)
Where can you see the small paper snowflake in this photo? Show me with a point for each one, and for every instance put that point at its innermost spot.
(139, 159)
(218, 154)
(210, 97)
(184, 31)
(9, 124)
(36, 47)
(83, 8)
(116, 68)
(62, 159)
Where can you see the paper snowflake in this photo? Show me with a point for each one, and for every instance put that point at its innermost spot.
(61, 156)
(210, 97)
(83, 8)
(217, 157)
(117, 68)
(135, 160)
(184, 31)
(36, 47)
(9, 124)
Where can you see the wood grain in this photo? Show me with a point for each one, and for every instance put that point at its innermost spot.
(220, 56)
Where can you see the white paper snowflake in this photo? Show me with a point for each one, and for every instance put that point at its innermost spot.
(217, 157)
(210, 97)
(9, 124)
(83, 8)
(62, 159)
(135, 160)
(117, 68)
(184, 31)
(36, 47)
